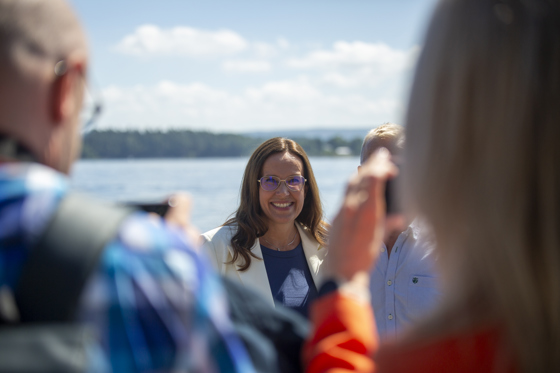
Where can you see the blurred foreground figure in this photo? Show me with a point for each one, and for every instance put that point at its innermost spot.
(482, 166)
(152, 302)
(404, 281)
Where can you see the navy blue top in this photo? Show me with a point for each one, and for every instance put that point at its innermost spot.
(290, 278)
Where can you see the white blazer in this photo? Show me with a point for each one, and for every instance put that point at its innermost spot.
(217, 245)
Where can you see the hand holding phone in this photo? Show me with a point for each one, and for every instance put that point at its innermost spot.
(176, 212)
(392, 194)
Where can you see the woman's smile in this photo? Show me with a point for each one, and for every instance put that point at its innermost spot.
(282, 205)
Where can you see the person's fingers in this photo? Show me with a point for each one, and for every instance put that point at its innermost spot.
(364, 195)
(154, 216)
(357, 230)
(179, 215)
(179, 209)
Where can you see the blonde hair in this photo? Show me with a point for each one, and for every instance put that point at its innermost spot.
(482, 164)
(387, 135)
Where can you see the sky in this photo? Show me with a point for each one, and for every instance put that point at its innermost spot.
(252, 65)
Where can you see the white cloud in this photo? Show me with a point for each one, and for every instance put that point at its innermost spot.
(151, 40)
(270, 50)
(295, 103)
(354, 54)
(148, 40)
(264, 50)
(358, 77)
(290, 86)
(340, 80)
(295, 91)
(283, 43)
(356, 65)
(246, 66)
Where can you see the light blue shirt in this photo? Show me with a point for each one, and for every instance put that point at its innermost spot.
(405, 285)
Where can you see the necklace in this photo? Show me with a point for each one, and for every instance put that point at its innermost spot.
(281, 247)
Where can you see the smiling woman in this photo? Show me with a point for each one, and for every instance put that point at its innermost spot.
(275, 242)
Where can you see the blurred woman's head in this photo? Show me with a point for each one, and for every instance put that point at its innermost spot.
(482, 163)
(252, 219)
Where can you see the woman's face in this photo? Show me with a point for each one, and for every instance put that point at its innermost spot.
(283, 205)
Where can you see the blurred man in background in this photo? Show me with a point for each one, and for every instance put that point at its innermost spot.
(404, 283)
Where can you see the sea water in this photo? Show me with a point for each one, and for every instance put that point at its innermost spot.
(213, 183)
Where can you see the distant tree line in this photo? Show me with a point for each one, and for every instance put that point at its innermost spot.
(192, 144)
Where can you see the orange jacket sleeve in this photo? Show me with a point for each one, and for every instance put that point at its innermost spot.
(344, 338)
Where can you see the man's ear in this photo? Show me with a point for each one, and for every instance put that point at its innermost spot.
(65, 93)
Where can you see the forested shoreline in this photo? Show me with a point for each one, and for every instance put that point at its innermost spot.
(198, 144)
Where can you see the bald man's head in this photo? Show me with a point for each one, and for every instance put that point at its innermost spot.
(40, 108)
(33, 33)
(387, 135)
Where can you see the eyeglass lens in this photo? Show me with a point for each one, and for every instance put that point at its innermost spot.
(91, 109)
(270, 183)
(91, 106)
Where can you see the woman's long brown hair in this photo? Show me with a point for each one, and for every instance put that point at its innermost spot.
(249, 217)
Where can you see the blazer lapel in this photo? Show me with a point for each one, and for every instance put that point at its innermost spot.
(314, 253)
(256, 277)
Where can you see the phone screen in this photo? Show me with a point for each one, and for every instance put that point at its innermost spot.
(392, 196)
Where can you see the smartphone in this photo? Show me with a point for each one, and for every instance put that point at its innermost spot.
(158, 208)
(392, 195)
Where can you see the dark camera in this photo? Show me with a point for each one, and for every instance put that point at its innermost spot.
(158, 208)
(392, 194)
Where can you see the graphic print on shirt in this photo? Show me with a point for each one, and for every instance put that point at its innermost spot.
(294, 289)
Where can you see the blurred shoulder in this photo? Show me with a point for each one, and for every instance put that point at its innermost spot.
(145, 259)
(154, 292)
(143, 232)
(148, 245)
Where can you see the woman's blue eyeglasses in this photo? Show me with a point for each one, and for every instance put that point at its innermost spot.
(294, 183)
